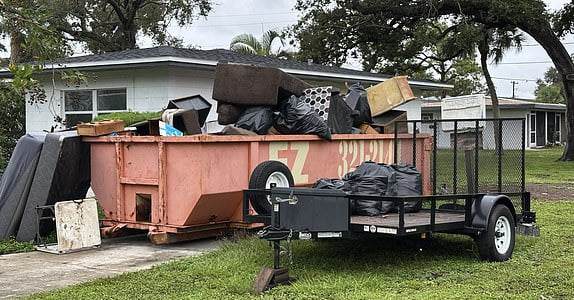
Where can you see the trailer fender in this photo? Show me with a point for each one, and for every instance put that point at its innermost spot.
(481, 209)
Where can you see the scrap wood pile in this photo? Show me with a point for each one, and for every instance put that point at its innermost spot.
(254, 100)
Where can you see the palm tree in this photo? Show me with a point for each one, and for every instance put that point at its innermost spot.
(249, 44)
(493, 44)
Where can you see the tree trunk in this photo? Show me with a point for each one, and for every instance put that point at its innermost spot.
(16, 40)
(565, 67)
(483, 49)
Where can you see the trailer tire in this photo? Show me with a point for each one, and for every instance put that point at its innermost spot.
(497, 242)
(265, 173)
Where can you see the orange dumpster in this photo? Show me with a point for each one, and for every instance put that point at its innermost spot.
(191, 187)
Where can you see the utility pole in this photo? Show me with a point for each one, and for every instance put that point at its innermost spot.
(513, 84)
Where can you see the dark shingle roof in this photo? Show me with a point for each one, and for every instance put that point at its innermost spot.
(218, 55)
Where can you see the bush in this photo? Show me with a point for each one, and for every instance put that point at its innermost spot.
(12, 119)
(129, 117)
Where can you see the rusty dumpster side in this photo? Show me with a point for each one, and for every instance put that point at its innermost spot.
(194, 183)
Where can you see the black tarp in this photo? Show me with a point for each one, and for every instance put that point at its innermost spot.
(16, 182)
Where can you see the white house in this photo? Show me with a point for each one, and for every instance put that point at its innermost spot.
(545, 122)
(145, 79)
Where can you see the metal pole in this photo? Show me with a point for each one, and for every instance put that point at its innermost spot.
(434, 158)
(499, 154)
(415, 144)
(523, 158)
(455, 158)
(476, 157)
(396, 143)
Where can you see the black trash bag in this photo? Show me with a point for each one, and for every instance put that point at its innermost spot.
(371, 179)
(370, 186)
(357, 100)
(408, 182)
(341, 116)
(332, 184)
(257, 119)
(296, 116)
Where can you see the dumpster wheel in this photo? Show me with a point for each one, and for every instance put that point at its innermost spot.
(265, 174)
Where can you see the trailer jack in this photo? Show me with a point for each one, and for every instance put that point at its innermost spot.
(269, 278)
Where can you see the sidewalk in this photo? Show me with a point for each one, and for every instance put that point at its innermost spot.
(27, 273)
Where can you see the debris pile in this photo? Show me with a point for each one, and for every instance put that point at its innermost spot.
(377, 179)
(255, 100)
(261, 100)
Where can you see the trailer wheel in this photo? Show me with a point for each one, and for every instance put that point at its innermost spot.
(265, 174)
(497, 242)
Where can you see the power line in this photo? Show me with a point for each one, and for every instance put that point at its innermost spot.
(244, 24)
(525, 63)
(251, 15)
(514, 79)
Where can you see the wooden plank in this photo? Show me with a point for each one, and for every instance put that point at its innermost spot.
(100, 128)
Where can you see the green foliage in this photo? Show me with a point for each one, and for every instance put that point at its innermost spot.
(563, 20)
(129, 117)
(113, 25)
(249, 44)
(550, 89)
(33, 35)
(363, 269)
(12, 246)
(12, 116)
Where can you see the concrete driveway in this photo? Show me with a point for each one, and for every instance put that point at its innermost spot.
(26, 273)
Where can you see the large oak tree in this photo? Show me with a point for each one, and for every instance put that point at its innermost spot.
(341, 25)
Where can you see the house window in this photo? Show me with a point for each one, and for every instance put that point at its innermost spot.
(427, 116)
(84, 105)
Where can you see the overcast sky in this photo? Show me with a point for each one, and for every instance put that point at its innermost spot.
(232, 17)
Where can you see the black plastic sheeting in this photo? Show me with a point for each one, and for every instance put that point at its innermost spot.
(257, 119)
(297, 117)
(341, 116)
(375, 179)
(357, 100)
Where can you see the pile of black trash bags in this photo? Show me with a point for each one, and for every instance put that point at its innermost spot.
(377, 179)
(255, 100)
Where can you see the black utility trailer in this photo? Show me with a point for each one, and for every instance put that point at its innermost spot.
(478, 189)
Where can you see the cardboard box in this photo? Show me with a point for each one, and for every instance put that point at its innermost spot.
(389, 94)
(100, 128)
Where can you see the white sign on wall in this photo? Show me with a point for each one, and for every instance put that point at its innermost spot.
(463, 107)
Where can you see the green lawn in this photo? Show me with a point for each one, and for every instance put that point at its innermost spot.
(542, 268)
(542, 167)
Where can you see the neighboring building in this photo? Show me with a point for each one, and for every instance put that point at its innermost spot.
(545, 122)
(145, 79)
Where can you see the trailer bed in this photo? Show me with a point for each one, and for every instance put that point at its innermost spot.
(421, 218)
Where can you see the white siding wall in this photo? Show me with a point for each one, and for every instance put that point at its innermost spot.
(148, 89)
(413, 109)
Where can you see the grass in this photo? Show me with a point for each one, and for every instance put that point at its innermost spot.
(12, 246)
(542, 166)
(364, 269)
(129, 117)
